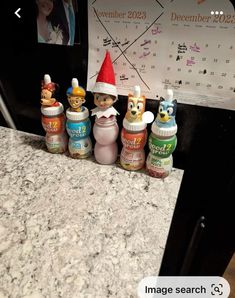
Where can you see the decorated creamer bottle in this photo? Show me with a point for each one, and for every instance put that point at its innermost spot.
(105, 129)
(134, 133)
(53, 118)
(78, 124)
(162, 140)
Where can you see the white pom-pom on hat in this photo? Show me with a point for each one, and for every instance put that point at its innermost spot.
(136, 91)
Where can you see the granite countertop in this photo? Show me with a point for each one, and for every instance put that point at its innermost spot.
(74, 228)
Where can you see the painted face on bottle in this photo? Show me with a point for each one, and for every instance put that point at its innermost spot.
(135, 108)
(46, 98)
(45, 7)
(103, 101)
(46, 93)
(166, 110)
(76, 101)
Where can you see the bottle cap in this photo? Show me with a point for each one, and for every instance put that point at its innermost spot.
(135, 126)
(169, 95)
(163, 131)
(75, 83)
(136, 91)
(47, 79)
(52, 111)
(77, 116)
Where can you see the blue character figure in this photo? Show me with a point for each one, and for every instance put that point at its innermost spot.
(167, 111)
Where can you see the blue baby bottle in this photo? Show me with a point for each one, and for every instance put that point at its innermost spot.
(78, 124)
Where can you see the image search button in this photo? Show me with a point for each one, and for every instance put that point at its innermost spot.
(217, 289)
(183, 286)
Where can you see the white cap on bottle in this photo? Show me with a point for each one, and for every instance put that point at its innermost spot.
(163, 131)
(134, 126)
(136, 91)
(77, 116)
(169, 95)
(52, 111)
(75, 82)
(47, 79)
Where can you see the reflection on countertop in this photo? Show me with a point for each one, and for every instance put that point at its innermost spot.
(74, 228)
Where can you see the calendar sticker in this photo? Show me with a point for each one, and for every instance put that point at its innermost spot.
(163, 44)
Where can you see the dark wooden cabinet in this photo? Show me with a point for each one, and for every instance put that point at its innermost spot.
(207, 190)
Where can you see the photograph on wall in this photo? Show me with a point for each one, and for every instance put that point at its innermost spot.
(57, 22)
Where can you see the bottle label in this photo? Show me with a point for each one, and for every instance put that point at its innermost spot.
(80, 148)
(56, 143)
(78, 129)
(159, 167)
(133, 141)
(132, 160)
(53, 124)
(162, 147)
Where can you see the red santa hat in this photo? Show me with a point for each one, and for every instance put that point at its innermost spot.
(105, 82)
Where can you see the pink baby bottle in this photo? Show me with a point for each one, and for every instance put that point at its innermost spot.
(105, 132)
(105, 129)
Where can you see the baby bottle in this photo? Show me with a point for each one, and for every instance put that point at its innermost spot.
(105, 132)
(105, 129)
(134, 133)
(162, 140)
(53, 118)
(78, 124)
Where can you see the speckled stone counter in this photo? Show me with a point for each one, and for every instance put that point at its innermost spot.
(74, 228)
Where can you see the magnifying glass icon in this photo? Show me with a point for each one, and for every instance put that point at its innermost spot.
(216, 289)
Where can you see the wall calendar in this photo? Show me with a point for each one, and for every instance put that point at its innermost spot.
(188, 46)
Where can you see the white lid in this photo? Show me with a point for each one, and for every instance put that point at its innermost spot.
(169, 95)
(135, 126)
(77, 116)
(163, 131)
(74, 83)
(52, 111)
(47, 79)
(136, 91)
